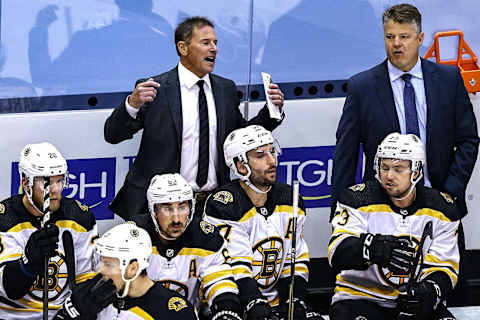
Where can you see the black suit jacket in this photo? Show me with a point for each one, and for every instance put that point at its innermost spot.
(161, 143)
(369, 115)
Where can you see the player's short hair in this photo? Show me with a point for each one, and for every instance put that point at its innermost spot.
(403, 13)
(184, 31)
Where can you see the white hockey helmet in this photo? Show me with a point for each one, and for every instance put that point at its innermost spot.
(126, 242)
(168, 188)
(41, 160)
(401, 147)
(239, 142)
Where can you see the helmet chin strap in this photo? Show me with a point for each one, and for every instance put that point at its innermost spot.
(127, 283)
(30, 197)
(254, 188)
(249, 183)
(412, 186)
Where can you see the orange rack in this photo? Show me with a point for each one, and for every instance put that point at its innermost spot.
(469, 68)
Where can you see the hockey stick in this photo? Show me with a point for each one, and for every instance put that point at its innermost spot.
(293, 251)
(69, 257)
(427, 232)
(46, 218)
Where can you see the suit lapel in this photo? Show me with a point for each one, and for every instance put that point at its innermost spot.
(385, 95)
(172, 91)
(217, 92)
(429, 81)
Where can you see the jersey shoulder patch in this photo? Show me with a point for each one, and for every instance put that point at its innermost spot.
(447, 197)
(358, 187)
(78, 212)
(363, 194)
(442, 202)
(176, 304)
(12, 213)
(81, 206)
(230, 202)
(223, 196)
(203, 235)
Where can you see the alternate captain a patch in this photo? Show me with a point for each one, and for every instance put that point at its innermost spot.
(223, 197)
(176, 303)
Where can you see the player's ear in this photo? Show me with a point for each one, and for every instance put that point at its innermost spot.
(132, 269)
(241, 168)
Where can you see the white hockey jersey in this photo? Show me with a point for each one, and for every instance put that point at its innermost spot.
(195, 265)
(259, 239)
(365, 208)
(16, 226)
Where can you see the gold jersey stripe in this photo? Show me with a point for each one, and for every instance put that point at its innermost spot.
(38, 306)
(297, 269)
(219, 286)
(391, 292)
(341, 230)
(84, 277)
(234, 258)
(13, 255)
(379, 208)
(432, 258)
(217, 275)
(189, 252)
(281, 208)
(141, 313)
(68, 224)
(453, 277)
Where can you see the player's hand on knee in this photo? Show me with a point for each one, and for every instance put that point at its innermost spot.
(88, 299)
(419, 301)
(387, 251)
(42, 243)
(259, 309)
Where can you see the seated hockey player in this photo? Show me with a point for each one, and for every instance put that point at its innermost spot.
(122, 289)
(377, 231)
(254, 213)
(31, 228)
(190, 256)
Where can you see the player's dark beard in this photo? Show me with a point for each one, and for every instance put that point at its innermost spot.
(261, 180)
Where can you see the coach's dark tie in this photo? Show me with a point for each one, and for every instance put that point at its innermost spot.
(411, 117)
(203, 153)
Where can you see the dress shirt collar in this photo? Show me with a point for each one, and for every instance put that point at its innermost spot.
(396, 73)
(188, 79)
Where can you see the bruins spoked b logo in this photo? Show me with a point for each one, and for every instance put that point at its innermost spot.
(267, 261)
(57, 279)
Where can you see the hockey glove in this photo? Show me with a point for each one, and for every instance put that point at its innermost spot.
(226, 306)
(387, 251)
(301, 311)
(42, 243)
(88, 299)
(259, 309)
(226, 315)
(420, 301)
